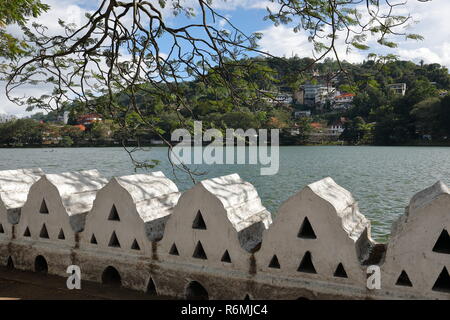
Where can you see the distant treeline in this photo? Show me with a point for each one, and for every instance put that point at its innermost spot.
(378, 116)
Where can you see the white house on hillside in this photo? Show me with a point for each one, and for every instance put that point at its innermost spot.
(398, 88)
(337, 127)
(343, 101)
(317, 93)
(275, 98)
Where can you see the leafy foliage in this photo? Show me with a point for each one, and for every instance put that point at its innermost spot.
(400, 119)
(16, 11)
(111, 66)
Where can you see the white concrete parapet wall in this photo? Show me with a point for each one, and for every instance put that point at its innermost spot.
(417, 260)
(217, 224)
(316, 236)
(59, 203)
(216, 240)
(52, 217)
(129, 213)
(14, 188)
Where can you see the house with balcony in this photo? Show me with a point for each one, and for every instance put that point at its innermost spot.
(343, 101)
(337, 127)
(442, 93)
(398, 88)
(89, 119)
(317, 94)
(277, 98)
(302, 114)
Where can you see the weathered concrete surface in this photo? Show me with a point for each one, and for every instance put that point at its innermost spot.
(315, 236)
(244, 208)
(15, 285)
(133, 269)
(57, 258)
(58, 202)
(414, 247)
(215, 225)
(15, 185)
(52, 218)
(219, 241)
(14, 188)
(134, 209)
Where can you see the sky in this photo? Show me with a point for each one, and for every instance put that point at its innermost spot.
(431, 21)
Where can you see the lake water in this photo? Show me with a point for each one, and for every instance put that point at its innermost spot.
(382, 179)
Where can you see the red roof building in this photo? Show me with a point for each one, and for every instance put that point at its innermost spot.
(345, 97)
(89, 118)
(81, 127)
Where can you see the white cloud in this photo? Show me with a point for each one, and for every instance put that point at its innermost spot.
(9, 107)
(283, 41)
(429, 19)
(434, 25)
(425, 54)
(224, 22)
(244, 4)
(70, 11)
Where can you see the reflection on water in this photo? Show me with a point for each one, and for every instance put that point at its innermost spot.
(382, 179)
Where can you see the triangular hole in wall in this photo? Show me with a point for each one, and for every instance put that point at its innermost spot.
(61, 235)
(1, 229)
(443, 243)
(274, 262)
(174, 250)
(340, 271)
(93, 239)
(135, 245)
(44, 208)
(199, 222)
(306, 230)
(403, 280)
(199, 252)
(27, 233)
(226, 257)
(114, 215)
(306, 265)
(247, 297)
(443, 282)
(10, 264)
(114, 241)
(44, 233)
(151, 288)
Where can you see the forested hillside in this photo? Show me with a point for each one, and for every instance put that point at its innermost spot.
(377, 115)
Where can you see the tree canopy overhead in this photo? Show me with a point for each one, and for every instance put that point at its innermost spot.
(129, 48)
(16, 11)
(125, 44)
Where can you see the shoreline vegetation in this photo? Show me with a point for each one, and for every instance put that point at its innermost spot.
(325, 144)
(402, 104)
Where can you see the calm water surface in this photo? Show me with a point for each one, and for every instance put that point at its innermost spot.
(382, 179)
